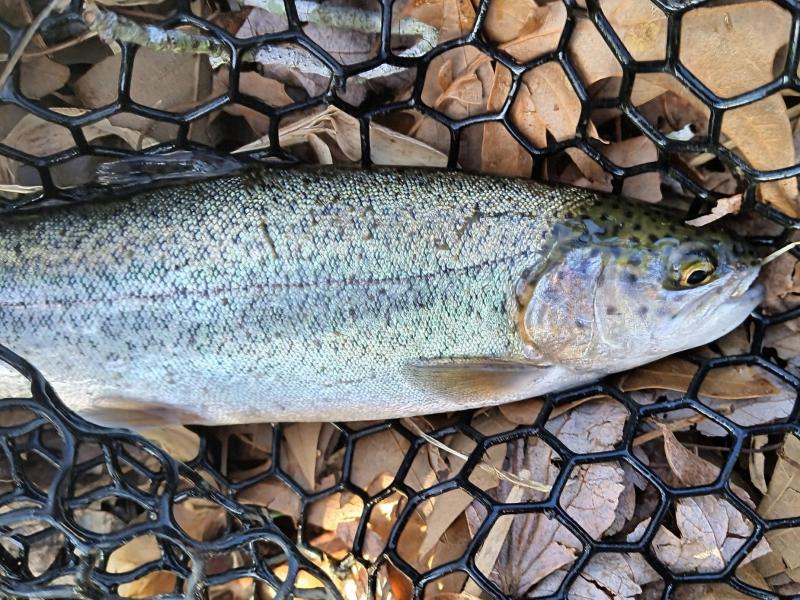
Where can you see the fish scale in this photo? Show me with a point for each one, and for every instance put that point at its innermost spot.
(283, 294)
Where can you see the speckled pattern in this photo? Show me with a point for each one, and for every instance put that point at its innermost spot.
(304, 294)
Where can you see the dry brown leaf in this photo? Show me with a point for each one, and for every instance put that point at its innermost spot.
(723, 207)
(176, 440)
(539, 32)
(457, 83)
(274, 495)
(447, 509)
(781, 277)
(727, 383)
(523, 412)
(332, 512)
(139, 551)
(711, 528)
(201, 519)
(41, 76)
(501, 154)
(783, 500)
(631, 152)
(613, 576)
(334, 129)
(301, 453)
(153, 83)
(641, 26)
(750, 35)
(691, 469)
(711, 531)
(595, 425)
(757, 463)
(590, 497)
(507, 19)
(269, 91)
(376, 454)
(40, 138)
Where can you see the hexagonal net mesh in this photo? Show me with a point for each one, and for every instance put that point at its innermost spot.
(89, 512)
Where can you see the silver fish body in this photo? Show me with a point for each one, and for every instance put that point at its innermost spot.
(339, 294)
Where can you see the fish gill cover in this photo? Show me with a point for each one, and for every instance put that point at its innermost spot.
(678, 479)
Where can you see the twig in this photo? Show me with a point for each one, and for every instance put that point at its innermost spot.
(355, 19)
(112, 27)
(679, 424)
(483, 465)
(86, 35)
(115, 27)
(19, 50)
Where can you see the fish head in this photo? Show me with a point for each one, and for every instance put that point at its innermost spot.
(622, 287)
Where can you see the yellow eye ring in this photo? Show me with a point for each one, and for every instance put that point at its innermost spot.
(696, 273)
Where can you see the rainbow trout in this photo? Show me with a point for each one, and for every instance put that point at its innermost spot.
(340, 294)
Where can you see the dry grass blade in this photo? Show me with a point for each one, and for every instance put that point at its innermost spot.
(18, 52)
(484, 466)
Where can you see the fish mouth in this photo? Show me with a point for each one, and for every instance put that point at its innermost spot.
(749, 292)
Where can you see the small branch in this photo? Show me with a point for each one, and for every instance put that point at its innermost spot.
(112, 27)
(679, 424)
(86, 35)
(355, 19)
(19, 50)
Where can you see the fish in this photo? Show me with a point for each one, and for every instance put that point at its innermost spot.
(341, 294)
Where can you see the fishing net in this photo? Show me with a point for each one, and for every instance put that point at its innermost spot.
(57, 469)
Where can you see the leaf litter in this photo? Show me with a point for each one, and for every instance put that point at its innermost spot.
(730, 48)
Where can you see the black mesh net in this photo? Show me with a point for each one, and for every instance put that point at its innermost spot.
(56, 469)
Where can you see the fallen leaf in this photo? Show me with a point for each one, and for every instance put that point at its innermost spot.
(271, 92)
(629, 153)
(274, 495)
(457, 84)
(727, 383)
(507, 19)
(781, 277)
(539, 32)
(757, 463)
(153, 83)
(201, 519)
(641, 26)
(691, 469)
(711, 529)
(335, 129)
(723, 207)
(375, 454)
(180, 443)
(523, 412)
(590, 497)
(594, 426)
(782, 500)
(133, 554)
(613, 576)
(41, 76)
(299, 458)
(501, 154)
(38, 137)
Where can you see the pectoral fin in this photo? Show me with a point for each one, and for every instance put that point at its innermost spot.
(468, 379)
(132, 413)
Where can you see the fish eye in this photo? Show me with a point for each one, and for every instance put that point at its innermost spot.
(692, 265)
(697, 273)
